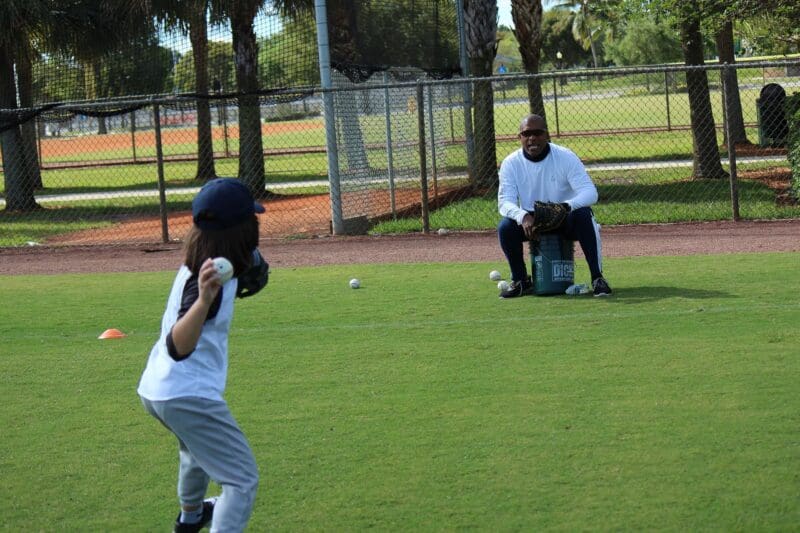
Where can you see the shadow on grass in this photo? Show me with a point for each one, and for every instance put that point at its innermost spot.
(681, 192)
(629, 295)
(107, 213)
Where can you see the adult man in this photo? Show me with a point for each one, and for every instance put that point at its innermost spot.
(547, 172)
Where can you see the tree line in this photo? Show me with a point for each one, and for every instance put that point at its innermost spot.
(673, 28)
(95, 49)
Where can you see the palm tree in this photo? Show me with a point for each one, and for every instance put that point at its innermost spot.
(734, 118)
(86, 28)
(190, 15)
(92, 72)
(242, 14)
(198, 35)
(29, 18)
(94, 29)
(24, 65)
(706, 158)
(585, 25)
(527, 16)
(480, 25)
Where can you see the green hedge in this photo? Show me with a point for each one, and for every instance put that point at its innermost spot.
(793, 116)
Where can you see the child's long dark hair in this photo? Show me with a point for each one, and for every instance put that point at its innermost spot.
(236, 243)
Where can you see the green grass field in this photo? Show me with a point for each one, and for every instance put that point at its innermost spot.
(422, 402)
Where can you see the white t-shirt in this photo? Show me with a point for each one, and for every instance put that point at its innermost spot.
(203, 374)
(559, 177)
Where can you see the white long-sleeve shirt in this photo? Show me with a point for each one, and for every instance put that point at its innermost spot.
(559, 177)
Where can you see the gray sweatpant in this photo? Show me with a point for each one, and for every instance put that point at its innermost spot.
(211, 446)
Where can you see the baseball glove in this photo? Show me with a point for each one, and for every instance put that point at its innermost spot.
(549, 216)
(254, 278)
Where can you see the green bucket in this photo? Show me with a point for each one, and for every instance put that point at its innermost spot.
(553, 264)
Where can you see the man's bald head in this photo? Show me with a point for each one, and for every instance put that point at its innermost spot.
(533, 122)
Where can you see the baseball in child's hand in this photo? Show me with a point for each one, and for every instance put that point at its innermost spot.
(225, 269)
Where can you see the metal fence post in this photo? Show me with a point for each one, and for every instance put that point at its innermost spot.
(666, 95)
(433, 142)
(332, 150)
(555, 104)
(725, 75)
(423, 166)
(162, 194)
(38, 141)
(133, 134)
(224, 109)
(450, 109)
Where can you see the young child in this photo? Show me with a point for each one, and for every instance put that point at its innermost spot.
(183, 383)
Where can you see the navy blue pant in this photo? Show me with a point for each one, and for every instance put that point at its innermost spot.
(580, 226)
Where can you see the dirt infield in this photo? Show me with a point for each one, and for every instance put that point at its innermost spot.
(618, 241)
(300, 215)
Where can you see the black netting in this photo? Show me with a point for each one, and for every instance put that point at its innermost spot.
(65, 112)
(11, 118)
(164, 62)
(373, 35)
(366, 37)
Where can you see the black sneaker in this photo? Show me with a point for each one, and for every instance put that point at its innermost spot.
(600, 286)
(208, 513)
(518, 288)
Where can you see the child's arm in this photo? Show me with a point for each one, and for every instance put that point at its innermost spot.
(186, 330)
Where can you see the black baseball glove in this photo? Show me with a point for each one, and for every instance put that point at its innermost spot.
(254, 278)
(549, 216)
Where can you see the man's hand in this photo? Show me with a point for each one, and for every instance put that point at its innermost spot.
(528, 227)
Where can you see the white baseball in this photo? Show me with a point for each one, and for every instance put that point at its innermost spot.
(503, 285)
(494, 275)
(224, 267)
(354, 283)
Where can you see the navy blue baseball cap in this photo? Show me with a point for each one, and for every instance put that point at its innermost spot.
(223, 203)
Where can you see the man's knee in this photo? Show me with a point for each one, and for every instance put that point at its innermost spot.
(582, 215)
(507, 225)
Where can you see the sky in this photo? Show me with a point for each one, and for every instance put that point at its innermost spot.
(504, 13)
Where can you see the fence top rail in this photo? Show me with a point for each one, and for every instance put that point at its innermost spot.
(160, 99)
(556, 74)
(620, 71)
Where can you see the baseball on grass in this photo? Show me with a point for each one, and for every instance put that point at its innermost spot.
(224, 267)
(494, 275)
(503, 285)
(354, 283)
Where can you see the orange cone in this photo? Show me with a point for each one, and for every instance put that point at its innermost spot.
(111, 334)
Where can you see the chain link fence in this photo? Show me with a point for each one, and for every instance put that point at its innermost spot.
(409, 155)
